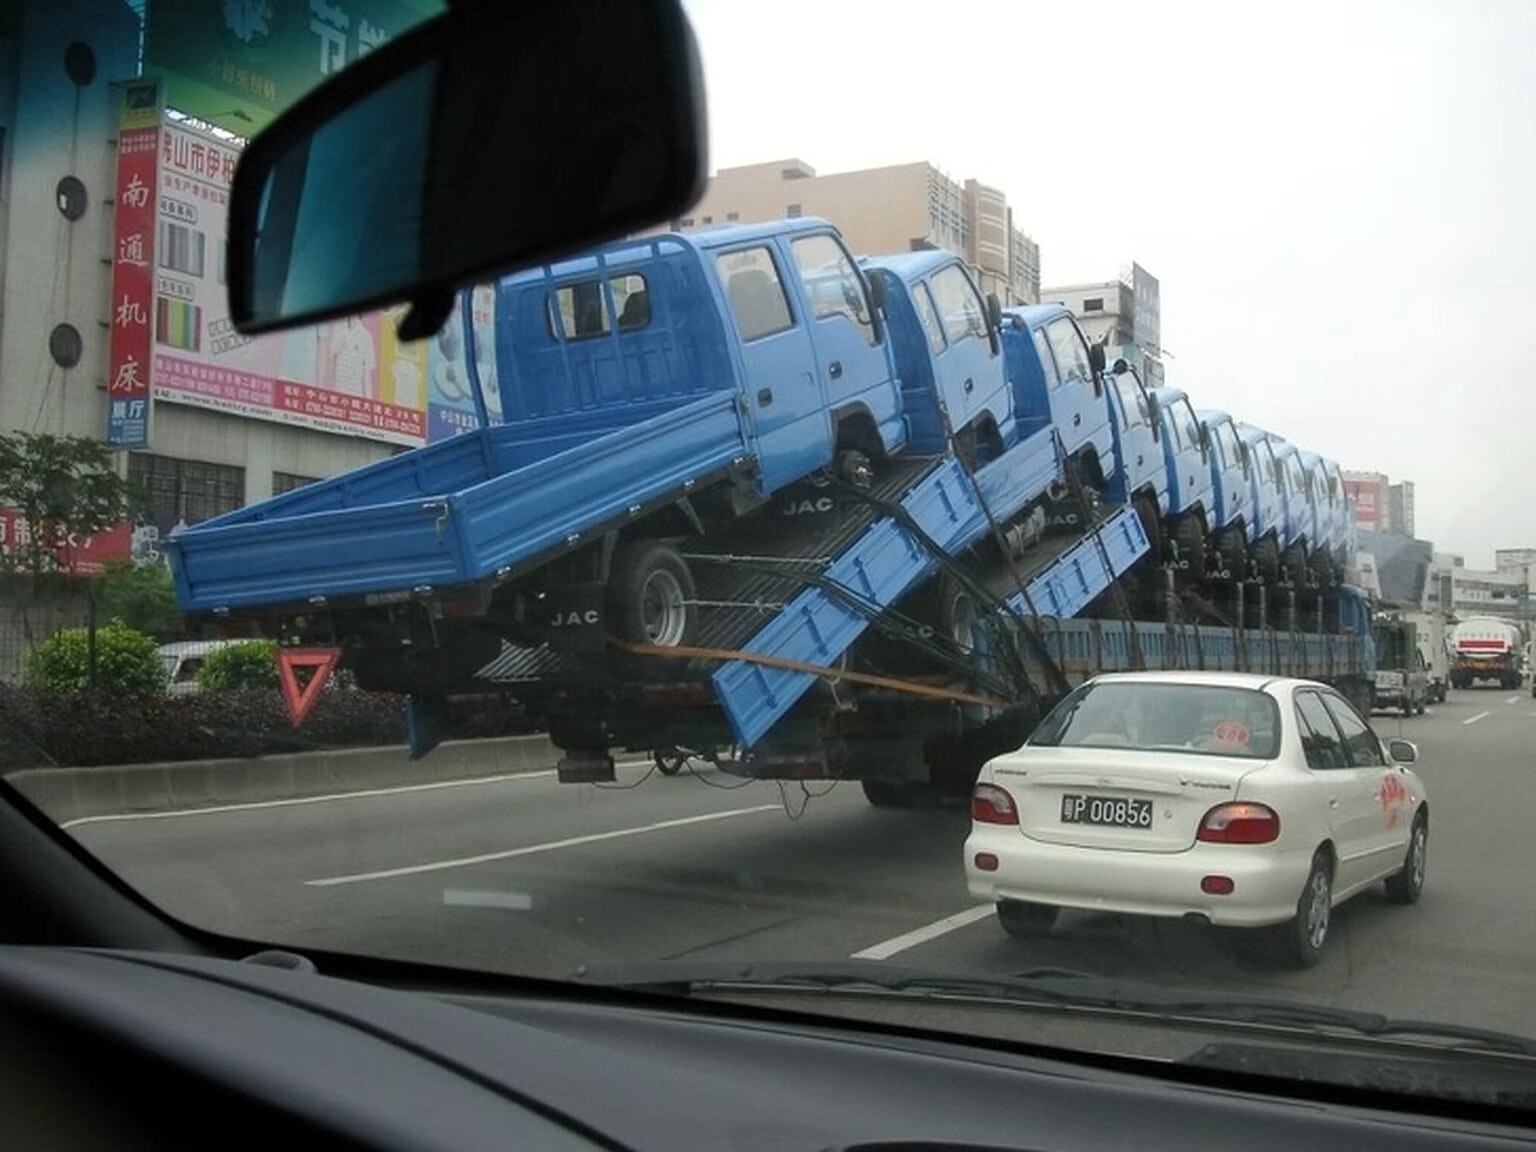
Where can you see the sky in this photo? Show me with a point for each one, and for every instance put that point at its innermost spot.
(1338, 199)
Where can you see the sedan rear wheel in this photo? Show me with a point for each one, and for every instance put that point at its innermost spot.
(1025, 920)
(1406, 886)
(1303, 938)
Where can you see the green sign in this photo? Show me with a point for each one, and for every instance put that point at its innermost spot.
(238, 63)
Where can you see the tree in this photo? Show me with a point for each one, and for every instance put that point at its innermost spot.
(127, 662)
(250, 664)
(141, 596)
(64, 486)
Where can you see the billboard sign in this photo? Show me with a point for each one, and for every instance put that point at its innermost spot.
(240, 62)
(1369, 493)
(129, 351)
(350, 376)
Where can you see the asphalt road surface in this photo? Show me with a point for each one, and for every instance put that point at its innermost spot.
(527, 875)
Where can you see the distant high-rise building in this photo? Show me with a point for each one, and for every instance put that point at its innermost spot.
(898, 208)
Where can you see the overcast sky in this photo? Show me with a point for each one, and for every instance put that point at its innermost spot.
(1338, 199)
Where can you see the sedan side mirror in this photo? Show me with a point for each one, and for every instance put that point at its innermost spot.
(1403, 751)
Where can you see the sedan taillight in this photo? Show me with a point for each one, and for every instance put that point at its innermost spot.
(1238, 823)
(992, 805)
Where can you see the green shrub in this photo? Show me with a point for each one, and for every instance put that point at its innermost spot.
(127, 663)
(249, 664)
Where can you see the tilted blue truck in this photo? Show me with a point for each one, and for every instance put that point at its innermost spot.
(745, 492)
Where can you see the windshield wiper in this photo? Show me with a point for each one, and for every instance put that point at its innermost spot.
(1044, 987)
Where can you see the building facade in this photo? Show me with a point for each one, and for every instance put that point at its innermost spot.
(1124, 315)
(899, 208)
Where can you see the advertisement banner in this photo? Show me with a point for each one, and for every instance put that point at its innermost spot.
(129, 345)
(451, 406)
(237, 63)
(350, 376)
(1369, 495)
(78, 555)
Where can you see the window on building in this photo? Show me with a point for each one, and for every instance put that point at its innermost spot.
(1093, 304)
(733, 216)
(186, 490)
(960, 306)
(756, 292)
(288, 481)
(707, 220)
(685, 222)
(792, 210)
(831, 282)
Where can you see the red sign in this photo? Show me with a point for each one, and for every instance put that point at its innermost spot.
(290, 662)
(1371, 500)
(132, 305)
(78, 555)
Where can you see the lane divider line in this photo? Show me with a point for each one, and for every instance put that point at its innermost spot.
(888, 948)
(1475, 719)
(536, 849)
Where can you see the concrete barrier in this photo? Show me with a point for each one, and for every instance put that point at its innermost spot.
(66, 794)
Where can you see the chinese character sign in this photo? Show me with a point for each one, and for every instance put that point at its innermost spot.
(237, 63)
(129, 345)
(350, 376)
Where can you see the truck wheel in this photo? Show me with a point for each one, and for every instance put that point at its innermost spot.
(1266, 557)
(651, 595)
(1295, 564)
(1234, 553)
(1189, 535)
(669, 761)
(1152, 525)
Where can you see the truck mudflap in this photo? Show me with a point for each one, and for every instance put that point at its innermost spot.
(819, 624)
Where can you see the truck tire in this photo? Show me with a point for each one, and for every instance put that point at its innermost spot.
(1189, 536)
(1266, 558)
(1294, 562)
(1152, 525)
(1233, 550)
(651, 595)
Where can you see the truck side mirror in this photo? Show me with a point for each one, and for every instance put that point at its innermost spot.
(874, 283)
(994, 323)
(1096, 358)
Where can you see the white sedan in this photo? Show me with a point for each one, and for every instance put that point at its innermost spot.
(1239, 800)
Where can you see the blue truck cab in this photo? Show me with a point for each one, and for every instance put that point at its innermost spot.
(778, 313)
(947, 352)
(1059, 381)
(1233, 519)
(1186, 460)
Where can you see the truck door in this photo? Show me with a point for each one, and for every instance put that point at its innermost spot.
(851, 364)
(1076, 393)
(780, 384)
(968, 374)
(1137, 446)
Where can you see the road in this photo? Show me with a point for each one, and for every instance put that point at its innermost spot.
(523, 874)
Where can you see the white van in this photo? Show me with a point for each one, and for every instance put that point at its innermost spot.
(184, 659)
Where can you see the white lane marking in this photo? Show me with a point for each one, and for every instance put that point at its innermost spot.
(535, 849)
(1475, 719)
(482, 898)
(888, 948)
(1513, 700)
(295, 801)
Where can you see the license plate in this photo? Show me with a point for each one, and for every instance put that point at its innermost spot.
(1109, 811)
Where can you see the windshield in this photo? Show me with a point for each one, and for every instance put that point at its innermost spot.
(1208, 721)
(646, 611)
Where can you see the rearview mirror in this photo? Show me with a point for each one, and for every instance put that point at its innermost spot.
(1403, 751)
(1096, 357)
(495, 137)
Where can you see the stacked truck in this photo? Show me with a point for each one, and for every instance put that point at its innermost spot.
(808, 516)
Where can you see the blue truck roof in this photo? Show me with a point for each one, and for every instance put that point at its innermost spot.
(911, 265)
(637, 249)
(1037, 314)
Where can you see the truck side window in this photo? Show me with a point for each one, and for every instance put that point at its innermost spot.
(1071, 356)
(582, 310)
(1186, 414)
(832, 284)
(1047, 358)
(632, 301)
(928, 316)
(756, 293)
(1319, 735)
(959, 306)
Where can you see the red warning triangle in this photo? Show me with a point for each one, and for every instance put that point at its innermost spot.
(290, 661)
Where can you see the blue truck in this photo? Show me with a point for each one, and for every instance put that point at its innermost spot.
(746, 492)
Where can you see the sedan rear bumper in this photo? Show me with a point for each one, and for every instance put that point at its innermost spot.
(1266, 883)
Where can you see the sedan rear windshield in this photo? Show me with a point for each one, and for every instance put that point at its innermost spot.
(1199, 719)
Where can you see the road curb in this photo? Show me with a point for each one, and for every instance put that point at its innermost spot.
(66, 794)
